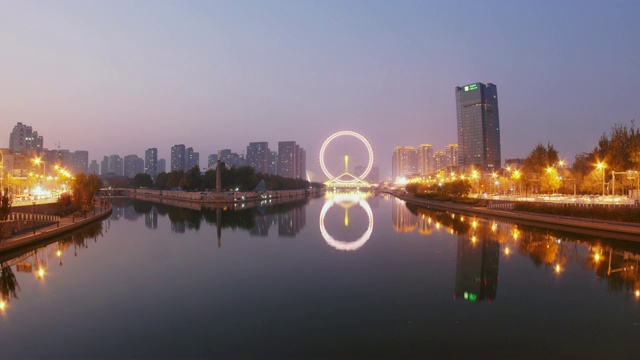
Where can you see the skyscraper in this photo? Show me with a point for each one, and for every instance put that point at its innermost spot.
(440, 160)
(104, 166)
(404, 162)
(162, 166)
(425, 159)
(287, 159)
(258, 156)
(273, 163)
(478, 126)
(80, 161)
(301, 163)
(192, 159)
(151, 162)
(116, 165)
(24, 138)
(451, 152)
(94, 168)
(178, 153)
(132, 166)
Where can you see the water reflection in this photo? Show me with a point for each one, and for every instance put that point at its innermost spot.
(482, 241)
(477, 269)
(346, 201)
(288, 217)
(37, 260)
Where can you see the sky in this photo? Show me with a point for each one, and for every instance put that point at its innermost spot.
(118, 77)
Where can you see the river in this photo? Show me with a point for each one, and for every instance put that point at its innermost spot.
(349, 275)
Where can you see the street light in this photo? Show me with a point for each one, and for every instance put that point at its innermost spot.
(601, 166)
(33, 217)
(39, 161)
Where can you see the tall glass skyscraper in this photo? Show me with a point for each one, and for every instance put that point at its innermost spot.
(478, 127)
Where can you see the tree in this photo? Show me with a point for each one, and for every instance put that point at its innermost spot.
(84, 189)
(142, 181)
(173, 180)
(192, 179)
(540, 159)
(161, 180)
(8, 283)
(592, 182)
(549, 181)
(621, 149)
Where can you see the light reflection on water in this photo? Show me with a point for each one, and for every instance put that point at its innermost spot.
(348, 275)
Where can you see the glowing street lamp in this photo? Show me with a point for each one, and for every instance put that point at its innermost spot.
(39, 161)
(601, 166)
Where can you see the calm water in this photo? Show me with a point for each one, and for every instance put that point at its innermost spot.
(322, 278)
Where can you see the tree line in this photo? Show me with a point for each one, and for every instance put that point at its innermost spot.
(618, 151)
(242, 178)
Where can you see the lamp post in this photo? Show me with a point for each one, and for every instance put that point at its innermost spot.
(601, 167)
(33, 217)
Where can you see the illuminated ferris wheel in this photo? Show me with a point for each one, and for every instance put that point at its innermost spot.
(346, 179)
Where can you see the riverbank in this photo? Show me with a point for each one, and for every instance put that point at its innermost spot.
(65, 225)
(223, 197)
(604, 228)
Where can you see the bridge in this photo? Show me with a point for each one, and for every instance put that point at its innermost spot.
(113, 192)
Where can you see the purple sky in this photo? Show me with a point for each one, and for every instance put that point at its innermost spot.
(118, 77)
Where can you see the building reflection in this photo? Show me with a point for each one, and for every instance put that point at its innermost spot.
(151, 219)
(403, 220)
(116, 213)
(291, 222)
(481, 243)
(263, 222)
(130, 214)
(477, 268)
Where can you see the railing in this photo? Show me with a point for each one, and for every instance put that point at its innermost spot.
(32, 217)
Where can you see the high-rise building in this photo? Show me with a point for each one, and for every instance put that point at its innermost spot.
(273, 163)
(440, 160)
(258, 156)
(94, 168)
(287, 159)
(151, 162)
(425, 159)
(104, 166)
(404, 162)
(301, 163)
(451, 152)
(80, 160)
(192, 159)
(478, 126)
(139, 165)
(178, 153)
(231, 159)
(116, 166)
(132, 166)
(23, 138)
(162, 166)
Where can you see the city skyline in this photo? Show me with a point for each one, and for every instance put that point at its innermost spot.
(220, 75)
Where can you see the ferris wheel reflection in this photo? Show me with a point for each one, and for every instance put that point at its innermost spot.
(346, 201)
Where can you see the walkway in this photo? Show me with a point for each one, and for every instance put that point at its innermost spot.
(66, 224)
